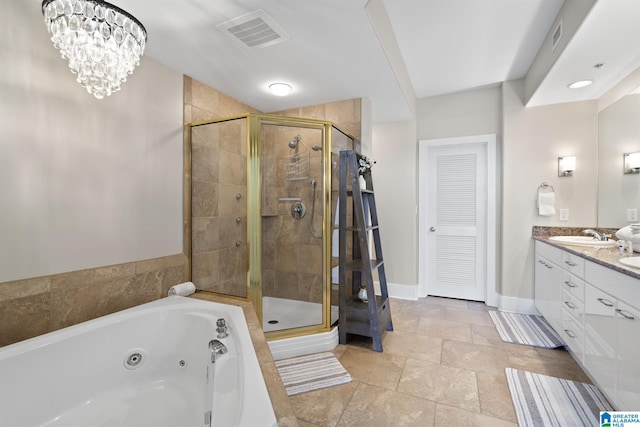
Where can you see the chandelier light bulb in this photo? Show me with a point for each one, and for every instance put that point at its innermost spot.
(101, 42)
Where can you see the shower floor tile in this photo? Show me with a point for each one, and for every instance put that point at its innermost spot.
(290, 313)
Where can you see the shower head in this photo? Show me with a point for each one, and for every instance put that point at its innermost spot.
(294, 142)
(316, 148)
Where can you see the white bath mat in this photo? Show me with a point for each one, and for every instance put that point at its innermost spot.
(525, 329)
(540, 400)
(311, 372)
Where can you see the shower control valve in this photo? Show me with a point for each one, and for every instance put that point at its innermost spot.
(221, 328)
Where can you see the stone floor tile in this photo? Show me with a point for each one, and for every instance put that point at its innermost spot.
(487, 359)
(323, 408)
(413, 346)
(447, 416)
(495, 398)
(445, 384)
(371, 367)
(444, 329)
(373, 406)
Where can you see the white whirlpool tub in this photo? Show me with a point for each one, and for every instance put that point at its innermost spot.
(150, 365)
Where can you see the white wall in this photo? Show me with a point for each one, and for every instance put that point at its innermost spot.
(533, 139)
(395, 152)
(84, 182)
(476, 112)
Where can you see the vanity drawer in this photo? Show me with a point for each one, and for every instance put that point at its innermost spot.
(573, 284)
(572, 334)
(573, 306)
(549, 252)
(573, 263)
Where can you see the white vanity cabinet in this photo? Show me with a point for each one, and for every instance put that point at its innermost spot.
(599, 319)
(628, 333)
(547, 282)
(612, 334)
(600, 338)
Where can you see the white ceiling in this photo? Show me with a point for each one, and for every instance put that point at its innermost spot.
(334, 52)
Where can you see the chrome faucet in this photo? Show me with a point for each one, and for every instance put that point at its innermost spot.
(221, 328)
(596, 235)
(217, 348)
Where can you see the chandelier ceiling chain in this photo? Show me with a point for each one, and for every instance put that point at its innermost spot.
(102, 42)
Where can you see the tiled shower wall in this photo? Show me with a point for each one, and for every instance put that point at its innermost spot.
(291, 256)
(218, 190)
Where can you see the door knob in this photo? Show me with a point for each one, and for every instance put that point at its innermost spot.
(432, 229)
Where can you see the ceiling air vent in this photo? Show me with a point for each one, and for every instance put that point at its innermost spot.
(557, 35)
(255, 29)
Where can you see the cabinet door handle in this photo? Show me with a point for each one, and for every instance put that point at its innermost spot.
(543, 263)
(548, 265)
(624, 314)
(570, 264)
(570, 333)
(605, 302)
(570, 304)
(569, 284)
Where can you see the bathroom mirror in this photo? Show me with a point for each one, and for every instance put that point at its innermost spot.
(618, 133)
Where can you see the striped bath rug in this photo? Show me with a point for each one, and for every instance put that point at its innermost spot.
(525, 329)
(540, 400)
(311, 372)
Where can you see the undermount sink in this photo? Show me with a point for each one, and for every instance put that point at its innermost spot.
(583, 241)
(631, 261)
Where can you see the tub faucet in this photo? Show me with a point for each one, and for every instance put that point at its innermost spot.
(217, 348)
(596, 235)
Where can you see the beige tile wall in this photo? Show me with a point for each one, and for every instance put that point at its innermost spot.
(36, 306)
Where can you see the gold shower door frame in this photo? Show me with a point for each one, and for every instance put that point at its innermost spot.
(254, 212)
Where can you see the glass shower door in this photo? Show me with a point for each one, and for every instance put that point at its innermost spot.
(292, 226)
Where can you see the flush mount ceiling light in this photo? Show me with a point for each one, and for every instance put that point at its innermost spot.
(280, 89)
(580, 84)
(102, 42)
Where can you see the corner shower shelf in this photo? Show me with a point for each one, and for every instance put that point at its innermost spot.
(368, 318)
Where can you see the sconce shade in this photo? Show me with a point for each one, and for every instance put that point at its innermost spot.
(566, 165)
(632, 162)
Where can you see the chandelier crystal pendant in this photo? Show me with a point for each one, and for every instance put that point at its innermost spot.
(102, 42)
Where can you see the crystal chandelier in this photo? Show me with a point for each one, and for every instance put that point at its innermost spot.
(102, 42)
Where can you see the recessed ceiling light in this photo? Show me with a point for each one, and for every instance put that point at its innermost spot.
(280, 89)
(580, 83)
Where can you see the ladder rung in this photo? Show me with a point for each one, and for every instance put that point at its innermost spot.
(367, 228)
(362, 190)
(356, 264)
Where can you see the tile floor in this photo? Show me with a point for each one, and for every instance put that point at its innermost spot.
(442, 366)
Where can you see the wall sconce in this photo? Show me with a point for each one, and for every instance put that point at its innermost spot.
(632, 162)
(566, 165)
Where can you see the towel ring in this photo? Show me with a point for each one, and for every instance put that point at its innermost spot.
(545, 187)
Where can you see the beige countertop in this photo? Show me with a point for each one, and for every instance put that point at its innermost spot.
(607, 257)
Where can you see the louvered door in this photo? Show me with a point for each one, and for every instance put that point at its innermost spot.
(457, 221)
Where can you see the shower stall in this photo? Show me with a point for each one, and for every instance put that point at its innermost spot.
(263, 208)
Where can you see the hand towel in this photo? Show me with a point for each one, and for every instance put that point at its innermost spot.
(546, 203)
(183, 289)
(630, 234)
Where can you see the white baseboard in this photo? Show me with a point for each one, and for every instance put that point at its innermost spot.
(399, 291)
(517, 305)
